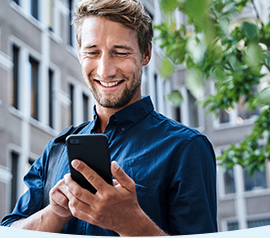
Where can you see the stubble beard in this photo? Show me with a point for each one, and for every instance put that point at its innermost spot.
(115, 101)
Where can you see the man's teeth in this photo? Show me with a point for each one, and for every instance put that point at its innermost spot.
(109, 84)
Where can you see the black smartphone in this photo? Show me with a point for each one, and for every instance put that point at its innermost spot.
(92, 150)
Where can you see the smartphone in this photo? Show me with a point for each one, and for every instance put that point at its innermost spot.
(92, 150)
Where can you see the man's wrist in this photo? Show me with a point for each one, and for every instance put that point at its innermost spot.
(142, 225)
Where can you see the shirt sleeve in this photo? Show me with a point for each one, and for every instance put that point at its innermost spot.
(32, 200)
(192, 197)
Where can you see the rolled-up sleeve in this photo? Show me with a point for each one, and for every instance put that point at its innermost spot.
(192, 197)
(32, 200)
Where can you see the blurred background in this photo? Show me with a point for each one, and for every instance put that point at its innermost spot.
(42, 91)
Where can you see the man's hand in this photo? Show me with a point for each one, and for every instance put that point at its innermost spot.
(59, 200)
(52, 218)
(112, 207)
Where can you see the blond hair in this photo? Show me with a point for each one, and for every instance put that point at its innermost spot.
(128, 12)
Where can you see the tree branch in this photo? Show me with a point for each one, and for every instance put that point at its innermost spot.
(259, 19)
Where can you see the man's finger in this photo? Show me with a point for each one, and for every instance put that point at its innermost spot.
(77, 191)
(122, 178)
(91, 176)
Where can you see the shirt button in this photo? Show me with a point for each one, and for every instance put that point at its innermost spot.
(123, 129)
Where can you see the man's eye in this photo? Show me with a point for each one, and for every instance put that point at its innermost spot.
(91, 53)
(121, 54)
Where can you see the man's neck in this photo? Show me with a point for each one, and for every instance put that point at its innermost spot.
(103, 117)
(105, 113)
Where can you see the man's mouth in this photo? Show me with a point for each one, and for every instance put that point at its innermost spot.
(110, 84)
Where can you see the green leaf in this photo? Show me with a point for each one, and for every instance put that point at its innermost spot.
(250, 30)
(168, 5)
(167, 68)
(264, 96)
(194, 83)
(253, 56)
(175, 98)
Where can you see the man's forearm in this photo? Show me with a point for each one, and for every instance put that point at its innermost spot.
(44, 220)
(142, 225)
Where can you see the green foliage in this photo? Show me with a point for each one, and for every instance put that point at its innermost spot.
(232, 56)
(175, 98)
(166, 68)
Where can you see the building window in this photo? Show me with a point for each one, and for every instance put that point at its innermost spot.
(17, 2)
(51, 15)
(71, 93)
(51, 104)
(156, 90)
(193, 111)
(258, 181)
(243, 112)
(224, 116)
(26, 170)
(150, 14)
(34, 9)
(14, 184)
(178, 115)
(85, 107)
(232, 226)
(71, 29)
(34, 68)
(258, 223)
(145, 82)
(15, 82)
(229, 181)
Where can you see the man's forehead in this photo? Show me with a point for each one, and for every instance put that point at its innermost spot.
(97, 30)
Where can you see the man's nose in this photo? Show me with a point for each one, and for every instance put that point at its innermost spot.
(106, 68)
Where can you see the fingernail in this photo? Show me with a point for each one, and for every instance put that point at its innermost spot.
(75, 163)
(115, 166)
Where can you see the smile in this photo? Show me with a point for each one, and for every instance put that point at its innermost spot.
(110, 84)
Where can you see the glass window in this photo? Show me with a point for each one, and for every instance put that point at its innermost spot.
(15, 82)
(145, 82)
(26, 170)
(51, 14)
(193, 111)
(156, 91)
(34, 68)
(85, 107)
(71, 29)
(229, 181)
(243, 112)
(71, 93)
(178, 114)
(257, 223)
(51, 104)
(14, 184)
(224, 116)
(232, 226)
(258, 181)
(17, 2)
(34, 9)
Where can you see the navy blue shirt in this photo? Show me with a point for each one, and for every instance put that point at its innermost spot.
(172, 165)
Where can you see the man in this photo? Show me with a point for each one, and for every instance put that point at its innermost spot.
(164, 172)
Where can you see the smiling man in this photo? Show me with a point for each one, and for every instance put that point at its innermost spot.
(164, 172)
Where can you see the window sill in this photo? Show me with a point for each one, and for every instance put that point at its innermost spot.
(33, 122)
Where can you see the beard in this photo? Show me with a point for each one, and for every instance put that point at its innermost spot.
(121, 99)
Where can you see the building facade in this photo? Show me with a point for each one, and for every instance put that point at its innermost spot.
(42, 92)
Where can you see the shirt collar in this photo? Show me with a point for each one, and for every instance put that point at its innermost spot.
(129, 116)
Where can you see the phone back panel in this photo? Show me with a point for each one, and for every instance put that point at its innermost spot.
(92, 150)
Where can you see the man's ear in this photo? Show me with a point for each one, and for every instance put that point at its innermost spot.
(147, 55)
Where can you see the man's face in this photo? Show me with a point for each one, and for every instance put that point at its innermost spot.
(111, 62)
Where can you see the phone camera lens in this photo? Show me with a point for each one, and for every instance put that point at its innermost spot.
(74, 141)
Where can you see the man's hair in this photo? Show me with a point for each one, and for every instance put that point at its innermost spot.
(128, 12)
